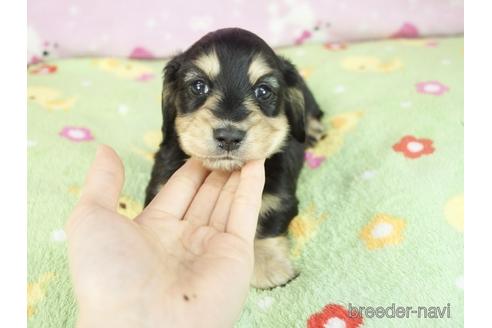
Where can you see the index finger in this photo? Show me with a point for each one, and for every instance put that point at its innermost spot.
(176, 195)
(245, 209)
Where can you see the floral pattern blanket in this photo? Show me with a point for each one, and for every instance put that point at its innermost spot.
(381, 198)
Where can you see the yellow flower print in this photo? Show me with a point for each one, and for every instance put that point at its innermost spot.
(454, 212)
(306, 72)
(339, 126)
(129, 207)
(152, 140)
(74, 190)
(36, 292)
(304, 227)
(371, 64)
(383, 230)
(417, 42)
(49, 98)
(126, 69)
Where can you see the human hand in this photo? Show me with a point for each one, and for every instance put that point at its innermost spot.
(185, 261)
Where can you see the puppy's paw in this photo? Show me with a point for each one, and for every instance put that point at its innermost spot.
(316, 131)
(272, 264)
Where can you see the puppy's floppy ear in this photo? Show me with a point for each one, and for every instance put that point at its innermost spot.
(294, 106)
(169, 110)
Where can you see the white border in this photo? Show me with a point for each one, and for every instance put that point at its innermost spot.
(478, 150)
(13, 172)
(478, 163)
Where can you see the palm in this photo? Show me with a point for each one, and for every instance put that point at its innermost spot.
(198, 258)
(191, 265)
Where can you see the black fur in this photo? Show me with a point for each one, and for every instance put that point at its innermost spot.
(282, 169)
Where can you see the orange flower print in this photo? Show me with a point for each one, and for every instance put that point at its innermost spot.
(412, 147)
(335, 46)
(42, 69)
(383, 230)
(304, 227)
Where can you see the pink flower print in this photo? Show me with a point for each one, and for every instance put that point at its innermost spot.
(145, 77)
(35, 60)
(432, 44)
(76, 134)
(407, 30)
(141, 53)
(435, 88)
(312, 160)
(303, 37)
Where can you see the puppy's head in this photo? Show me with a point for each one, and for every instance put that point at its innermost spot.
(230, 99)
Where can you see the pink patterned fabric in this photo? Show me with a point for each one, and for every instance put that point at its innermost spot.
(153, 28)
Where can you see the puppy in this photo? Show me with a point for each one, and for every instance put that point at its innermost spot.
(229, 99)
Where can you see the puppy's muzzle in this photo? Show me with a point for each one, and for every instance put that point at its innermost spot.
(229, 138)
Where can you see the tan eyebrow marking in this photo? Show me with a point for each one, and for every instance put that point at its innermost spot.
(209, 63)
(191, 75)
(257, 69)
(272, 80)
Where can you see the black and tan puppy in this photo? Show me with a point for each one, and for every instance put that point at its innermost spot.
(229, 99)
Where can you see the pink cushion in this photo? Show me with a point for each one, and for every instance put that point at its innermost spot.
(153, 28)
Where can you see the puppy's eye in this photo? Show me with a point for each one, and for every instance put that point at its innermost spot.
(199, 87)
(262, 92)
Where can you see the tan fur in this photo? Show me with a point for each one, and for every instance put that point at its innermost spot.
(272, 80)
(257, 69)
(297, 99)
(191, 75)
(209, 64)
(223, 164)
(195, 129)
(269, 203)
(272, 264)
(265, 135)
(315, 129)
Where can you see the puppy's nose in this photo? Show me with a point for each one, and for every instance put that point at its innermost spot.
(229, 138)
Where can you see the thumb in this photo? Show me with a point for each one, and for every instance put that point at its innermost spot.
(104, 180)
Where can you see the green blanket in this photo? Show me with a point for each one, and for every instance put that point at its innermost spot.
(381, 199)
